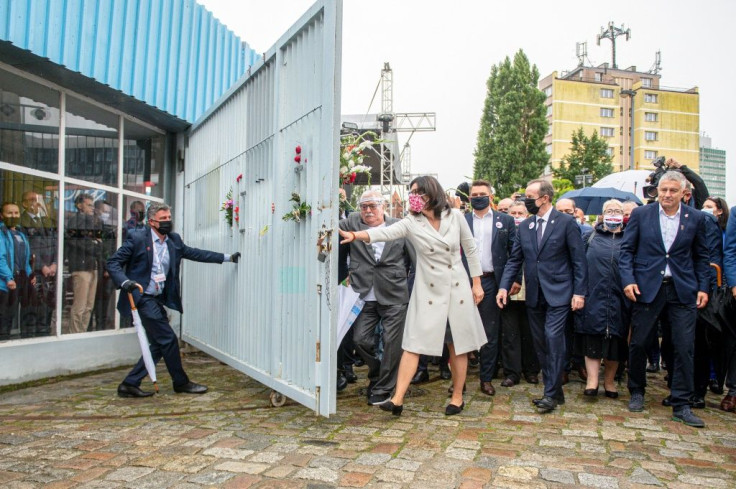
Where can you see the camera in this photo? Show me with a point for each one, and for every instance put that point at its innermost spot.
(660, 167)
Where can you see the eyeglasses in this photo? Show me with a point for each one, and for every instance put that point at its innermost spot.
(613, 212)
(570, 212)
(368, 207)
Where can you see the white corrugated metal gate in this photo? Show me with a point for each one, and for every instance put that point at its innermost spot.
(273, 315)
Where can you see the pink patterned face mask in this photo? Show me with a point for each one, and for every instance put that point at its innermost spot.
(416, 202)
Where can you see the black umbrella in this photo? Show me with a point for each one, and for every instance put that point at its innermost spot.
(719, 311)
(591, 199)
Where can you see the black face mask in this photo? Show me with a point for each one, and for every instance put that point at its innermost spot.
(165, 227)
(531, 205)
(480, 203)
(11, 222)
(138, 216)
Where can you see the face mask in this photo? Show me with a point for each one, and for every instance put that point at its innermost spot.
(416, 203)
(707, 211)
(11, 222)
(517, 220)
(531, 205)
(165, 227)
(480, 203)
(613, 222)
(138, 216)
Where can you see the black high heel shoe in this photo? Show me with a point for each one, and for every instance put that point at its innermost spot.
(452, 409)
(590, 392)
(392, 408)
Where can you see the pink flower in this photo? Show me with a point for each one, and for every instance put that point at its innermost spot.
(240, 177)
(298, 158)
(298, 150)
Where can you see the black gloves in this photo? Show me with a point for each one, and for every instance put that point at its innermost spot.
(129, 286)
(235, 257)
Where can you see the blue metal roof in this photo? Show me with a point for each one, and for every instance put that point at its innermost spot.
(171, 54)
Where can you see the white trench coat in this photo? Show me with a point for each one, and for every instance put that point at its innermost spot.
(442, 290)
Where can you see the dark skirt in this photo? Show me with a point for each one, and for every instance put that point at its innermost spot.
(614, 349)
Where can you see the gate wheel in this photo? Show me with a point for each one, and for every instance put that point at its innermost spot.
(277, 399)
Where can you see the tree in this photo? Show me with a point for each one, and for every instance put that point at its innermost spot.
(590, 153)
(510, 148)
(561, 186)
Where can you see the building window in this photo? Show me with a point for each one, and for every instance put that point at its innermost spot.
(651, 116)
(143, 159)
(646, 82)
(598, 77)
(651, 98)
(650, 135)
(548, 91)
(650, 155)
(606, 93)
(548, 148)
(609, 151)
(549, 110)
(606, 112)
(91, 142)
(607, 132)
(29, 123)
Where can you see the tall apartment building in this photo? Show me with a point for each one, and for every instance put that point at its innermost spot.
(713, 167)
(666, 121)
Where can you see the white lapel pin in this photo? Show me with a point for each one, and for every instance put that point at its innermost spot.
(531, 225)
(499, 225)
(552, 221)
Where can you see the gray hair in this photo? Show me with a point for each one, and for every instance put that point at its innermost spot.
(614, 202)
(545, 188)
(154, 207)
(673, 176)
(371, 196)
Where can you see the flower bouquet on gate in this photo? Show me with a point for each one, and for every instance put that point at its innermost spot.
(353, 149)
(227, 207)
(300, 210)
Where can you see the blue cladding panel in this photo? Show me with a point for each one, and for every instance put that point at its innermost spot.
(171, 54)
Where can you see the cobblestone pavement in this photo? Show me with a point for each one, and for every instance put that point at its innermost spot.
(78, 433)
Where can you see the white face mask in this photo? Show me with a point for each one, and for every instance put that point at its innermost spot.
(707, 210)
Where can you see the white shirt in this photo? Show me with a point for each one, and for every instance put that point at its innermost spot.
(160, 264)
(377, 252)
(483, 234)
(669, 225)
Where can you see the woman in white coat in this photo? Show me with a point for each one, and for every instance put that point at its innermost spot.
(442, 293)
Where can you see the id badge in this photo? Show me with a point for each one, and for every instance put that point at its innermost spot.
(159, 277)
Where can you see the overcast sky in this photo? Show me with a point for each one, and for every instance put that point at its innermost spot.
(442, 52)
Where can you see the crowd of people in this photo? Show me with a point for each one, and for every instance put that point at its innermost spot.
(528, 285)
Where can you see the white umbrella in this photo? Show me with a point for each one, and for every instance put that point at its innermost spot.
(143, 341)
(629, 181)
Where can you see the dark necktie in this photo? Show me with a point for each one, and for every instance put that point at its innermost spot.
(540, 231)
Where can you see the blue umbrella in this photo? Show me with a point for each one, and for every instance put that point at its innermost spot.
(591, 199)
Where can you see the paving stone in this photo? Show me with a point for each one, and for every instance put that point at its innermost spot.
(518, 473)
(129, 474)
(641, 476)
(246, 467)
(704, 481)
(373, 459)
(599, 481)
(403, 464)
(554, 475)
(320, 474)
(211, 478)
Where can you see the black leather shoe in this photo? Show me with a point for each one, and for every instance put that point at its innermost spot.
(653, 368)
(667, 401)
(342, 382)
(128, 390)
(190, 388)
(420, 377)
(445, 373)
(546, 405)
(349, 374)
(590, 392)
(508, 382)
(612, 394)
(531, 378)
(391, 407)
(560, 399)
(452, 409)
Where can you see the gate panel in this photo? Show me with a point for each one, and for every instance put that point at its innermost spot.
(273, 316)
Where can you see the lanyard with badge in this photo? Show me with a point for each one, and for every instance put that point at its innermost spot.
(160, 277)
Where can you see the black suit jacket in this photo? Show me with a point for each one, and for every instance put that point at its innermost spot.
(134, 261)
(503, 237)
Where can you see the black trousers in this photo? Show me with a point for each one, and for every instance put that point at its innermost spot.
(11, 302)
(163, 340)
(490, 315)
(678, 327)
(547, 324)
(517, 346)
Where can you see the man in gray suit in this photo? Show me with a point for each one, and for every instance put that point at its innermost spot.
(378, 273)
